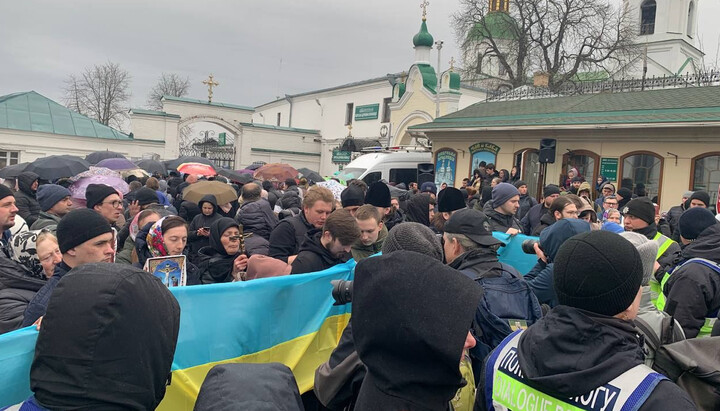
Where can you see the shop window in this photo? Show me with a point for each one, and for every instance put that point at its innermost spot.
(642, 168)
(403, 175)
(706, 175)
(585, 162)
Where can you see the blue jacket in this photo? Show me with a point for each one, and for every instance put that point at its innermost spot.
(38, 305)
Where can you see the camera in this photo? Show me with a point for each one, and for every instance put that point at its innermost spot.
(528, 246)
(342, 291)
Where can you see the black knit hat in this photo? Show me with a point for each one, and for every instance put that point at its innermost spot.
(5, 191)
(519, 183)
(352, 196)
(378, 195)
(450, 199)
(433, 307)
(701, 196)
(625, 193)
(96, 193)
(551, 189)
(79, 226)
(694, 221)
(597, 271)
(641, 208)
(413, 237)
(145, 196)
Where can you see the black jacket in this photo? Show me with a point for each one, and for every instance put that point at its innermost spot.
(17, 289)
(215, 265)
(25, 199)
(188, 210)
(37, 307)
(546, 220)
(338, 380)
(570, 352)
(501, 222)
(696, 288)
(531, 220)
(669, 259)
(257, 217)
(394, 218)
(673, 219)
(313, 256)
(196, 242)
(526, 203)
(288, 235)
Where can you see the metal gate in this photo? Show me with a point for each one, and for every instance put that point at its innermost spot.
(220, 151)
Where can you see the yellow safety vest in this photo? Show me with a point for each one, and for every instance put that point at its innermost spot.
(656, 288)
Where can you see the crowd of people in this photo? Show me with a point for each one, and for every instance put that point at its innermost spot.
(438, 322)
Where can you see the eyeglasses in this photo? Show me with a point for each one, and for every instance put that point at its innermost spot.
(611, 202)
(114, 204)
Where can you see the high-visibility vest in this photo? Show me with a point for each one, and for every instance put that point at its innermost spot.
(507, 389)
(711, 318)
(656, 288)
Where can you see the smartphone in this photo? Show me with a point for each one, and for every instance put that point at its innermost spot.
(206, 228)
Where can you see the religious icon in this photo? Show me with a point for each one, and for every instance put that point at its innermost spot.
(171, 270)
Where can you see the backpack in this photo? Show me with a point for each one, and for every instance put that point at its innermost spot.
(507, 304)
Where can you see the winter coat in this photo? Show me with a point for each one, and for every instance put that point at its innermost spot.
(570, 352)
(338, 381)
(394, 218)
(417, 210)
(17, 289)
(124, 256)
(669, 259)
(215, 265)
(673, 218)
(249, 386)
(546, 221)
(25, 197)
(694, 287)
(361, 251)
(38, 305)
(313, 256)
(501, 222)
(46, 221)
(196, 242)
(654, 318)
(257, 217)
(288, 235)
(531, 220)
(526, 203)
(188, 210)
(290, 199)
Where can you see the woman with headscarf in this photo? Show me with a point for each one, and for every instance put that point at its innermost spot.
(223, 261)
(199, 230)
(165, 237)
(420, 209)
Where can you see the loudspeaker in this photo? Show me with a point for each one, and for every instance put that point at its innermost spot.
(547, 150)
(425, 172)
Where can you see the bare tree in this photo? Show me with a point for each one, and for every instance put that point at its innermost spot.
(169, 84)
(559, 37)
(100, 92)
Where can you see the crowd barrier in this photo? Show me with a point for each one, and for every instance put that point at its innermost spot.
(290, 319)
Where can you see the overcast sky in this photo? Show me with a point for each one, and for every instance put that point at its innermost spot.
(322, 43)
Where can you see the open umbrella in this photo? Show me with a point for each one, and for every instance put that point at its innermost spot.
(223, 193)
(117, 164)
(152, 166)
(137, 172)
(197, 168)
(98, 156)
(53, 167)
(256, 165)
(334, 187)
(175, 163)
(311, 175)
(13, 170)
(242, 178)
(78, 188)
(276, 171)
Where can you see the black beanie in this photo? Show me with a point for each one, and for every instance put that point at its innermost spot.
(597, 271)
(451, 199)
(694, 221)
(352, 196)
(79, 226)
(702, 196)
(96, 193)
(4, 191)
(378, 195)
(145, 196)
(625, 193)
(519, 183)
(412, 236)
(551, 189)
(641, 208)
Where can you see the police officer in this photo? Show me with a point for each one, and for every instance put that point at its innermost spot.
(585, 353)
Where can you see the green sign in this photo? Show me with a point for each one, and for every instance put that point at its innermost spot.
(221, 139)
(609, 168)
(369, 112)
(341, 157)
(489, 147)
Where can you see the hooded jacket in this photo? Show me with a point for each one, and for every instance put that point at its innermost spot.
(288, 235)
(526, 203)
(501, 222)
(47, 221)
(257, 217)
(201, 220)
(17, 289)
(361, 251)
(417, 210)
(531, 220)
(313, 256)
(25, 197)
(37, 307)
(695, 287)
(215, 265)
(570, 352)
(257, 387)
(546, 220)
(107, 341)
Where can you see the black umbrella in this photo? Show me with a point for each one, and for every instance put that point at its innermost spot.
(256, 165)
(53, 167)
(152, 166)
(98, 156)
(13, 170)
(174, 164)
(242, 178)
(311, 175)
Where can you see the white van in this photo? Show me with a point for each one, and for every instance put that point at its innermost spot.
(391, 166)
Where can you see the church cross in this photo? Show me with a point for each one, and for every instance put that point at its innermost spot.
(423, 6)
(210, 82)
(452, 63)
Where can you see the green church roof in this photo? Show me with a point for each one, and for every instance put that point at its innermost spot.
(423, 38)
(497, 25)
(30, 111)
(454, 80)
(428, 76)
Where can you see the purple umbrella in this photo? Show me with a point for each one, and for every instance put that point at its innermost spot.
(78, 188)
(117, 164)
(245, 171)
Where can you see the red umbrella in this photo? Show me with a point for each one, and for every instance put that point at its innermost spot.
(197, 168)
(276, 171)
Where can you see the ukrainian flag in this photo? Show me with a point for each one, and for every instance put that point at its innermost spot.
(289, 319)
